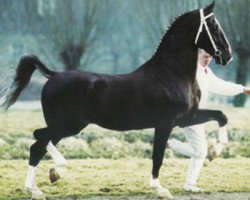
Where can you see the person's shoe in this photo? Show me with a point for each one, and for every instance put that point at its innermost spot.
(192, 188)
(214, 151)
(211, 154)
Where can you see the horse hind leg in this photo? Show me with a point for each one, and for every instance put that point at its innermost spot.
(37, 151)
(43, 144)
(46, 139)
(60, 162)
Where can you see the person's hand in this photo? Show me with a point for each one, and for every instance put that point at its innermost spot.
(247, 91)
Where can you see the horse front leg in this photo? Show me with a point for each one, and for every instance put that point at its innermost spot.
(161, 136)
(205, 115)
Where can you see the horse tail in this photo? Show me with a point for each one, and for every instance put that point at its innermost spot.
(26, 66)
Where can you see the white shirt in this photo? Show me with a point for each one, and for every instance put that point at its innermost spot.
(209, 82)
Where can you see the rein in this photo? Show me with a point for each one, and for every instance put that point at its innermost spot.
(203, 22)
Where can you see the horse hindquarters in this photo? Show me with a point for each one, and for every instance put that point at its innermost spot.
(64, 116)
(65, 104)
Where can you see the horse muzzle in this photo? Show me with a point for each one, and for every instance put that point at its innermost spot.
(220, 59)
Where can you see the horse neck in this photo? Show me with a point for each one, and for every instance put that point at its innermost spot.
(177, 53)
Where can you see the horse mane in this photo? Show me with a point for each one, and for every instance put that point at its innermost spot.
(175, 20)
(171, 27)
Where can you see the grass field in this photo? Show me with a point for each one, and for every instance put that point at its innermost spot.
(123, 177)
(128, 176)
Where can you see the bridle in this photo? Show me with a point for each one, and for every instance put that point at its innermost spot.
(203, 22)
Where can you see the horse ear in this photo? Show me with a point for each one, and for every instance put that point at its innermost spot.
(209, 9)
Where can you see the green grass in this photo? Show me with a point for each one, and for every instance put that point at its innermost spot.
(124, 177)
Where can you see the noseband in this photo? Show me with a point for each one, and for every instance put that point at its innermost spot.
(203, 22)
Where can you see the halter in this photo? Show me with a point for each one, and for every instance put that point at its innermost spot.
(203, 22)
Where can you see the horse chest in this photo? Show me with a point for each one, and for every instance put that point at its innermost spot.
(192, 99)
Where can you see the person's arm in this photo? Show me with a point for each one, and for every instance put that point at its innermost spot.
(219, 86)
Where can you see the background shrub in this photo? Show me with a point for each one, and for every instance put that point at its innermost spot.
(17, 126)
(140, 149)
(74, 148)
(109, 147)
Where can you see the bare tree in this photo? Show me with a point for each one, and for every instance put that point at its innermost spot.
(72, 27)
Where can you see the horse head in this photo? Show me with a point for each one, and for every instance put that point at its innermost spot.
(211, 37)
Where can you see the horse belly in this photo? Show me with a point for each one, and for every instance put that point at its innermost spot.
(122, 124)
(128, 119)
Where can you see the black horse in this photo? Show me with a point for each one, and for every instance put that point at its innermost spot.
(161, 94)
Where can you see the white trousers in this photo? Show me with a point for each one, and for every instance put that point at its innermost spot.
(195, 148)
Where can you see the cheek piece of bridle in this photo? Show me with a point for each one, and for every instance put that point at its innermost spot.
(204, 23)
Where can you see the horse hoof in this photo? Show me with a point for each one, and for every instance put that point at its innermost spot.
(37, 194)
(38, 197)
(165, 194)
(53, 175)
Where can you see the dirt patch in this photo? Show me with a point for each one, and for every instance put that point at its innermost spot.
(212, 196)
(215, 196)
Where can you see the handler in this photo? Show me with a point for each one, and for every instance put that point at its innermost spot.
(196, 146)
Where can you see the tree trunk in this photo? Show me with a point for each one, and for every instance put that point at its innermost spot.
(71, 56)
(241, 76)
(116, 63)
